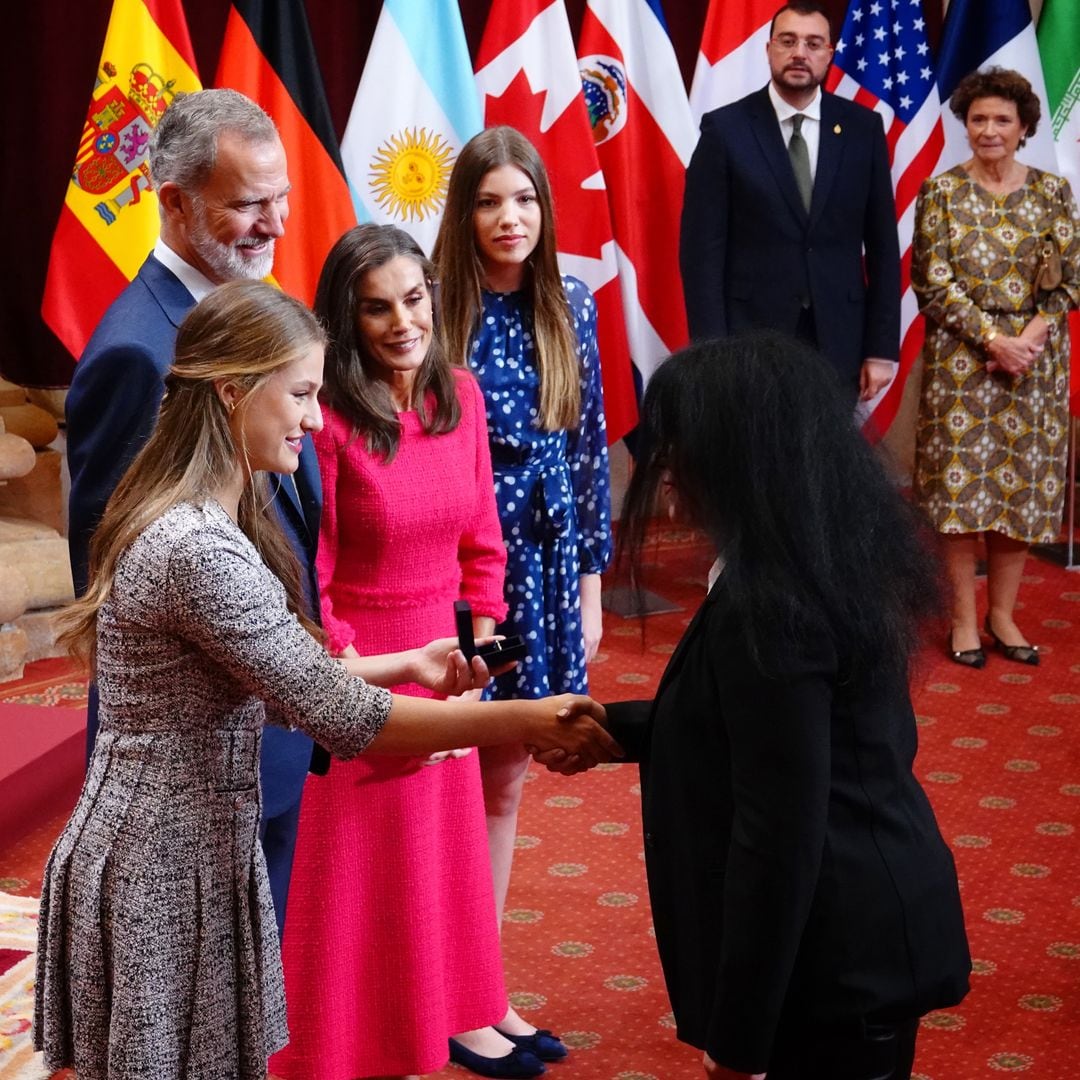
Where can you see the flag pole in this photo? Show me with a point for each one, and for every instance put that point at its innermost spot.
(1070, 545)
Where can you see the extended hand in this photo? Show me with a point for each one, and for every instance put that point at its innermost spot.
(446, 755)
(577, 741)
(441, 666)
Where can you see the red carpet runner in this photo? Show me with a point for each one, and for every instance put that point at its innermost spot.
(999, 757)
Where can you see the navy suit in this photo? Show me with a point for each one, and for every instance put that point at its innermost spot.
(751, 255)
(112, 407)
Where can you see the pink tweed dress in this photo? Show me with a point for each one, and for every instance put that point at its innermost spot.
(391, 944)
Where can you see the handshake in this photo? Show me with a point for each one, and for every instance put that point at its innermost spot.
(567, 733)
(576, 738)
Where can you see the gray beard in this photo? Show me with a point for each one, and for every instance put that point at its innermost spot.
(225, 259)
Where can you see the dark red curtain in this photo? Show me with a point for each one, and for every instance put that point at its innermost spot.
(52, 55)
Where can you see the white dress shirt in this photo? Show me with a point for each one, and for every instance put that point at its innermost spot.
(811, 128)
(195, 281)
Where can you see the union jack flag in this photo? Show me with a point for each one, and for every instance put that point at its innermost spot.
(883, 61)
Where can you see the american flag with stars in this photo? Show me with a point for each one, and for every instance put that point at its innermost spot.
(883, 61)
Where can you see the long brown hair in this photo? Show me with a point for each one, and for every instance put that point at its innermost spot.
(460, 272)
(243, 332)
(349, 384)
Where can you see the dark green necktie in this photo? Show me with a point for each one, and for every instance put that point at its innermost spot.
(800, 160)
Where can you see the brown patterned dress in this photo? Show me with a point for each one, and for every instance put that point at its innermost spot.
(990, 448)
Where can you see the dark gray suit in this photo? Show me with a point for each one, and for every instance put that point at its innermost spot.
(751, 255)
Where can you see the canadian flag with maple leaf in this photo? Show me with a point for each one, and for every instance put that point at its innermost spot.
(527, 75)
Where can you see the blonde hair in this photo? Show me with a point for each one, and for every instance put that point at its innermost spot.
(459, 272)
(243, 333)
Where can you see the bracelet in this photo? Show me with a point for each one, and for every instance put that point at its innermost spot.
(989, 337)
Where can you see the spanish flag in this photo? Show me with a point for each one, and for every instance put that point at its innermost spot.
(109, 221)
(268, 55)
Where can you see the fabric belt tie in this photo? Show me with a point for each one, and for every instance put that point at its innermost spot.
(549, 474)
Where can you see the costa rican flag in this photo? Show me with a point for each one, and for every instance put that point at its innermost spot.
(644, 138)
(883, 61)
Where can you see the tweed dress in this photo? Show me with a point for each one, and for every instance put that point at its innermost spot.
(158, 954)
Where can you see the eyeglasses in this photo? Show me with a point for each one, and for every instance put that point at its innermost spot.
(790, 42)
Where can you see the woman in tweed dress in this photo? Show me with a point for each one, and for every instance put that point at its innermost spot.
(158, 953)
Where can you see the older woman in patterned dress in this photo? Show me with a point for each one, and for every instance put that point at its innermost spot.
(158, 952)
(990, 236)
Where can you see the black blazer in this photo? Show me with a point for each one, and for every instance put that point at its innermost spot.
(111, 410)
(795, 867)
(752, 257)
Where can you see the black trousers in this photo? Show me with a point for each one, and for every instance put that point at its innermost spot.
(806, 332)
(862, 1050)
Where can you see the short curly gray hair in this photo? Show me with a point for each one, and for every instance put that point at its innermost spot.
(183, 148)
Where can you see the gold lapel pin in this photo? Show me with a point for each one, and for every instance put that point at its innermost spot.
(837, 129)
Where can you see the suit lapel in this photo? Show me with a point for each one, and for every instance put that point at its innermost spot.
(299, 496)
(830, 154)
(309, 488)
(766, 130)
(166, 288)
(692, 630)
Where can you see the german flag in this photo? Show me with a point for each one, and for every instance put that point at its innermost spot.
(109, 221)
(268, 55)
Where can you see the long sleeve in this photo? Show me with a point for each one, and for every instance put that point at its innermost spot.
(943, 299)
(779, 735)
(881, 325)
(586, 445)
(628, 722)
(328, 449)
(703, 235)
(1065, 233)
(481, 550)
(224, 600)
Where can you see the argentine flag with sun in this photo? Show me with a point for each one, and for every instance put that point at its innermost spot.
(416, 106)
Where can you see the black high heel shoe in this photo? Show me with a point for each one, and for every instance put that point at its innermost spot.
(972, 658)
(1022, 654)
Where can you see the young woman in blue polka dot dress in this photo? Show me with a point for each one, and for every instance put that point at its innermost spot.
(529, 336)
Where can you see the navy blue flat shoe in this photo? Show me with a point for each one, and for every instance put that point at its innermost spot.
(518, 1063)
(542, 1043)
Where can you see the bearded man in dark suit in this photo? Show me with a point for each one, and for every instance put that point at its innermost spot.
(789, 221)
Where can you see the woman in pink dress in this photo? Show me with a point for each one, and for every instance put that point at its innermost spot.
(391, 945)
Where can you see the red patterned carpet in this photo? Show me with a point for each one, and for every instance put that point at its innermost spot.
(999, 756)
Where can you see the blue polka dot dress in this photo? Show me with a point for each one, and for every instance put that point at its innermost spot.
(552, 490)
